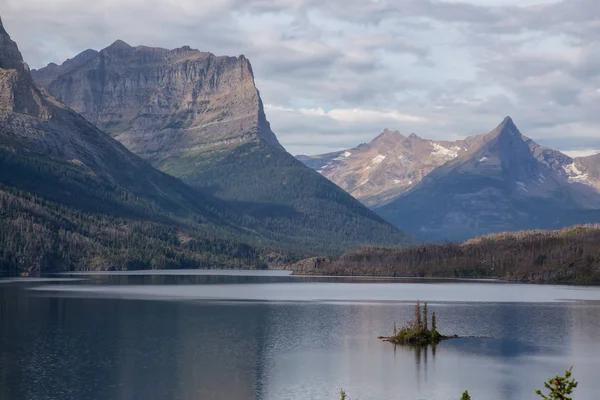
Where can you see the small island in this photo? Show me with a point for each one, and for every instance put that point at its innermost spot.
(417, 332)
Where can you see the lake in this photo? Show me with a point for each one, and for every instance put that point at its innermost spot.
(270, 336)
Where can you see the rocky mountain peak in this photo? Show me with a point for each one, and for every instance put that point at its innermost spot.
(17, 91)
(388, 137)
(10, 56)
(161, 103)
(119, 44)
(506, 128)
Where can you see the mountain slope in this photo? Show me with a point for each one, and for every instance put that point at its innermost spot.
(71, 197)
(505, 182)
(391, 164)
(200, 118)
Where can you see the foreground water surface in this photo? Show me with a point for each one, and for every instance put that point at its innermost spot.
(269, 336)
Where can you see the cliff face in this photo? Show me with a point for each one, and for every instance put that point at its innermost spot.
(163, 103)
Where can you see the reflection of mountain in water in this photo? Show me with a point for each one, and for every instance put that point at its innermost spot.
(105, 349)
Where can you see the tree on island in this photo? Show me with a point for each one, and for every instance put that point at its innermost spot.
(417, 332)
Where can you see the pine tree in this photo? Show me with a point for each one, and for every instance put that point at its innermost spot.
(418, 325)
(425, 317)
(559, 387)
(465, 396)
(433, 322)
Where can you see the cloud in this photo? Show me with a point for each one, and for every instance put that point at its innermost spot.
(581, 152)
(341, 71)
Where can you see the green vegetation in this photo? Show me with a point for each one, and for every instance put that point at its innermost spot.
(560, 387)
(570, 255)
(415, 332)
(307, 212)
(58, 215)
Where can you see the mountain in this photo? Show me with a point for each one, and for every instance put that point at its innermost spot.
(504, 182)
(390, 165)
(200, 118)
(71, 197)
(163, 104)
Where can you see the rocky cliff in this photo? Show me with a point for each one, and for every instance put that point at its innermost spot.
(163, 104)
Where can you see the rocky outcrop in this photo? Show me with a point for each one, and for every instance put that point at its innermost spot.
(163, 103)
(17, 92)
(308, 265)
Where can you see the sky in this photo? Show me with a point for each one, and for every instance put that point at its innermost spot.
(336, 73)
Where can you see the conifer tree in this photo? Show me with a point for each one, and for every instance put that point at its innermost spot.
(418, 325)
(560, 387)
(465, 396)
(425, 317)
(433, 323)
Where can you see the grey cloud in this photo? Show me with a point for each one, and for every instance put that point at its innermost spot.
(412, 56)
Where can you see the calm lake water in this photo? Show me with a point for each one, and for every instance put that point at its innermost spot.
(269, 336)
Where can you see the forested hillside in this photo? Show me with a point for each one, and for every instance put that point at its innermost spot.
(570, 255)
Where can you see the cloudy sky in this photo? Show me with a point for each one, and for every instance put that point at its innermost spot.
(335, 73)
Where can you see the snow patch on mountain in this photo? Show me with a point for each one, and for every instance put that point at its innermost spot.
(521, 186)
(443, 152)
(575, 175)
(378, 160)
(343, 156)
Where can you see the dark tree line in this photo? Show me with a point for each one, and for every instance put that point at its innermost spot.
(567, 255)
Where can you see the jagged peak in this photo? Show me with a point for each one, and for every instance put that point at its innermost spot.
(388, 134)
(506, 128)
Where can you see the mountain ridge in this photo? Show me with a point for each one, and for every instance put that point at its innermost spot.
(503, 164)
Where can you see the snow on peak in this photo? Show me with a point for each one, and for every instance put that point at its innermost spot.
(482, 159)
(443, 152)
(378, 160)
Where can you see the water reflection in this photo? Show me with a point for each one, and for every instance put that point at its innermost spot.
(102, 348)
